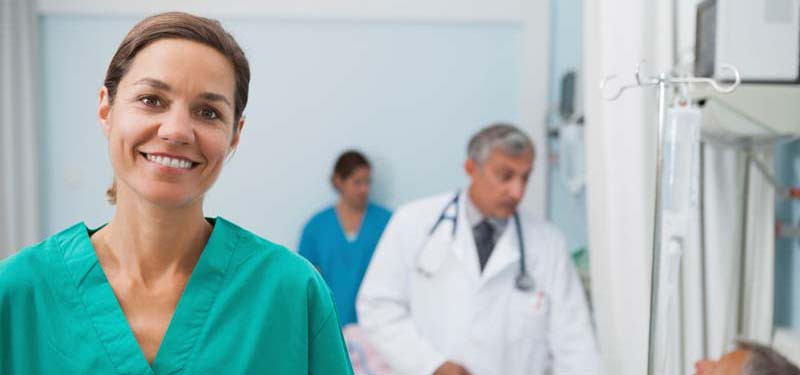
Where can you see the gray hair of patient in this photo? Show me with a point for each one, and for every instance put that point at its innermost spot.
(766, 361)
(504, 137)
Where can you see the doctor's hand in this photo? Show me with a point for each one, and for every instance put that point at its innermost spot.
(451, 368)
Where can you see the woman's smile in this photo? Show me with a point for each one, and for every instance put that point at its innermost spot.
(170, 163)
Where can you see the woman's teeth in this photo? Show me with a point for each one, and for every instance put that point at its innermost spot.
(170, 162)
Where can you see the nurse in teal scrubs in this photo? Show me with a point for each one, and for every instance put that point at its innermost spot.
(161, 289)
(340, 239)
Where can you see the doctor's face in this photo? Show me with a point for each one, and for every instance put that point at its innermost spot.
(499, 184)
(170, 126)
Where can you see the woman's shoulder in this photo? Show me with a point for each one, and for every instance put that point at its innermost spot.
(322, 217)
(380, 210)
(263, 262)
(19, 269)
(35, 264)
(267, 256)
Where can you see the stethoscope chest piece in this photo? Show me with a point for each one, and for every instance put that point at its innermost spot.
(523, 282)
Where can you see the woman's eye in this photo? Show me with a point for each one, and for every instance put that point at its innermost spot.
(208, 114)
(151, 101)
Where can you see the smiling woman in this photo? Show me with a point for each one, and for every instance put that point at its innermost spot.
(160, 108)
(162, 289)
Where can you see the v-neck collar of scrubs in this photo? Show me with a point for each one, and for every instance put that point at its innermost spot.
(188, 319)
(340, 224)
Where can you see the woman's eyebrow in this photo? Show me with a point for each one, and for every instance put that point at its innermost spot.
(161, 85)
(154, 83)
(214, 97)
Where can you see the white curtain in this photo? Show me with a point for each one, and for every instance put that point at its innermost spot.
(733, 298)
(19, 225)
(759, 259)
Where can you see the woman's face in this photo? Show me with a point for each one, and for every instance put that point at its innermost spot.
(354, 189)
(170, 127)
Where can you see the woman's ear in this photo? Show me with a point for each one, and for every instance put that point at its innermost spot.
(337, 182)
(103, 110)
(235, 139)
(237, 133)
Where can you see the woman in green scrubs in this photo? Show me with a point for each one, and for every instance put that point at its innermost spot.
(161, 289)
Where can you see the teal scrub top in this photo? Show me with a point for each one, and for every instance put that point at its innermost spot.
(250, 307)
(343, 262)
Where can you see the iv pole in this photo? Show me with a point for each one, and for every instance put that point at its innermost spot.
(662, 82)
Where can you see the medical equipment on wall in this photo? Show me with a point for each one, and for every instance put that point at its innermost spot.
(760, 37)
(787, 229)
(781, 191)
(572, 158)
(571, 154)
(676, 196)
(570, 102)
(523, 282)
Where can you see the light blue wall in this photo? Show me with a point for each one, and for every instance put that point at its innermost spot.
(787, 257)
(408, 95)
(567, 211)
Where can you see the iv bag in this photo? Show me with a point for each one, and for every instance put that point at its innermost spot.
(679, 200)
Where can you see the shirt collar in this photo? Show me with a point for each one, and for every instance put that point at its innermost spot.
(474, 216)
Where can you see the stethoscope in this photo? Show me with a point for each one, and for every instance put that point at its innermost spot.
(523, 281)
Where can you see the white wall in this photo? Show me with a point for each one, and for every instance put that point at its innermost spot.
(408, 89)
(533, 92)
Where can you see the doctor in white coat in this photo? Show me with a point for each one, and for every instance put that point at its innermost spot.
(463, 283)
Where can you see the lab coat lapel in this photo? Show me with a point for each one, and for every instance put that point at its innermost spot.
(504, 255)
(436, 250)
(464, 247)
(439, 247)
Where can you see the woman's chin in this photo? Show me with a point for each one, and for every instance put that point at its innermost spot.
(170, 198)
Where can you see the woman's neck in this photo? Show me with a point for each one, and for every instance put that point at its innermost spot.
(350, 209)
(147, 242)
(350, 215)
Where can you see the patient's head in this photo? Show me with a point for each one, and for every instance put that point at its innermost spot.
(748, 359)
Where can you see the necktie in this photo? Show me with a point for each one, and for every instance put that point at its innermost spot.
(484, 241)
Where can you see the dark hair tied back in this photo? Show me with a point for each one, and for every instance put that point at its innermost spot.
(347, 163)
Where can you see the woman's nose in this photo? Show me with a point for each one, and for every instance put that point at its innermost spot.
(177, 128)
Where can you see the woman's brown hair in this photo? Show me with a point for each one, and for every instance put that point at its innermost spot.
(347, 163)
(177, 25)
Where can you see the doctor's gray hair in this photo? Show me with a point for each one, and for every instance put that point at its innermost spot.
(500, 136)
(766, 361)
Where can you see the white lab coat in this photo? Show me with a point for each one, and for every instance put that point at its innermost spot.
(424, 300)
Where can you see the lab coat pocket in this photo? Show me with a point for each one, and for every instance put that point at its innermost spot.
(528, 313)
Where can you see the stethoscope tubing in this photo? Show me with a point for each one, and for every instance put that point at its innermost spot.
(523, 281)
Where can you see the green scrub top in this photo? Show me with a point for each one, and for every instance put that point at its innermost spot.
(250, 307)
